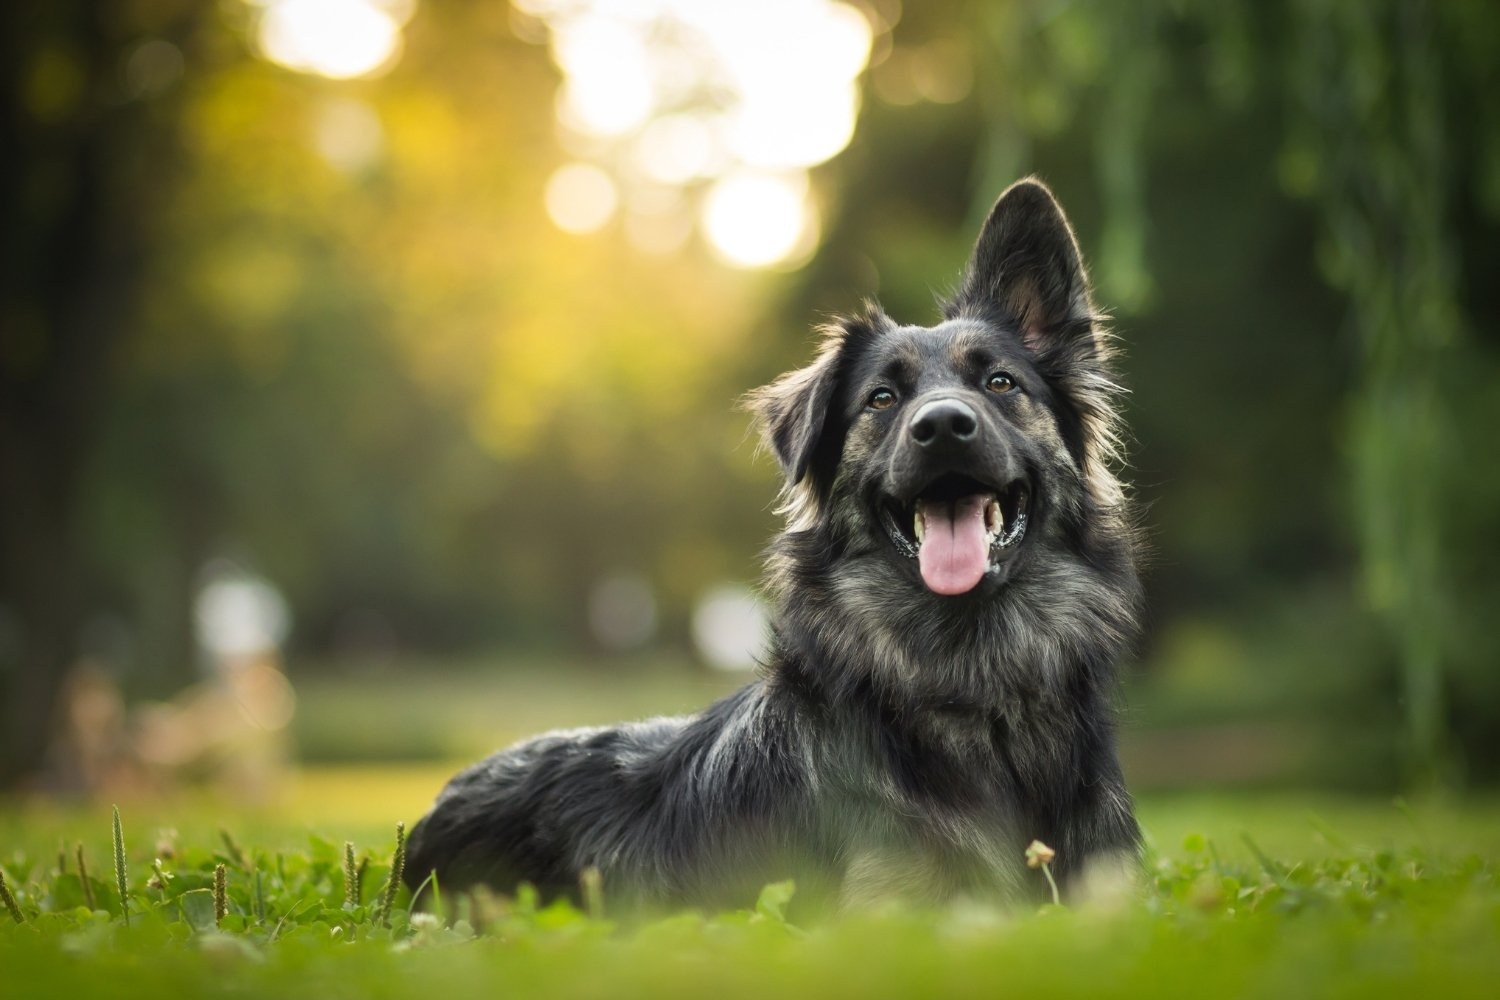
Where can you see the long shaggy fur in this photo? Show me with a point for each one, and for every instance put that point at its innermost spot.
(899, 743)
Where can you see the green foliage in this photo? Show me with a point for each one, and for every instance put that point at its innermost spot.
(1208, 920)
(435, 422)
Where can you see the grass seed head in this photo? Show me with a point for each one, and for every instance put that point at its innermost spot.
(119, 845)
(9, 901)
(221, 892)
(351, 876)
(398, 866)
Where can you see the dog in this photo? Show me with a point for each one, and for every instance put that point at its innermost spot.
(955, 583)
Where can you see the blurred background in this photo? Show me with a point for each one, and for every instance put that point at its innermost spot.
(368, 368)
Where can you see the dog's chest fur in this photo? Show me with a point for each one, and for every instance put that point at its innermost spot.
(928, 802)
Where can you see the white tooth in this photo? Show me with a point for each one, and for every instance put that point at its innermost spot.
(994, 517)
(917, 528)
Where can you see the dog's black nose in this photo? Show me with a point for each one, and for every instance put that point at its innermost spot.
(942, 421)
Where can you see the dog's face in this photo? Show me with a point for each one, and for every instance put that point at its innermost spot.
(950, 432)
(944, 455)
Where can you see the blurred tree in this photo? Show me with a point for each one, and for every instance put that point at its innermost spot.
(1369, 144)
(326, 327)
(458, 400)
(85, 166)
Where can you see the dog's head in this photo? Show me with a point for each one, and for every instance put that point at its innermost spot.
(946, 454)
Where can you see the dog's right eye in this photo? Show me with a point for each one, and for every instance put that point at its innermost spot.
(1000, 382)
(882, 399)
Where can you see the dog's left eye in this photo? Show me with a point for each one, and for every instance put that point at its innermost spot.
(1000, 382)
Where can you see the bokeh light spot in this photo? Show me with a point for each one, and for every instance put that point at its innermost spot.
(678, 149)
(152, 68)
(347, 134)
(238, 614)
(340, 39)
(757, 219)
(622, 612)
(580, 198)
(747, 97)
(786, 128)
(608, 89)
(729, 627)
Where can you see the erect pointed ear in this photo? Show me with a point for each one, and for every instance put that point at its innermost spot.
(793, 411)
(1026, 270)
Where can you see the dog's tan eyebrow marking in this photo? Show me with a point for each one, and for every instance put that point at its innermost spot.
(970, 346)
(975, 357)
(907, 359)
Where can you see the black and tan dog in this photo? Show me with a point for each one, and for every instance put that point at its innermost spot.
(954, 584)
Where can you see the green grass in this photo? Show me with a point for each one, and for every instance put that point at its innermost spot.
(1244, 896)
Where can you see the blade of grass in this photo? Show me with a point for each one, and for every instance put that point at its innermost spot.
(83, 879)
(1271, 868)
(236, 854)
(1329, 833)
(297, 908)
(437, 897)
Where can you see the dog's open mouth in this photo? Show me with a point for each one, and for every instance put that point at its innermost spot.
(958, 529)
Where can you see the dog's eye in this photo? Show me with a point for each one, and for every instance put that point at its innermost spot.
(1000, 382)
(882, 399)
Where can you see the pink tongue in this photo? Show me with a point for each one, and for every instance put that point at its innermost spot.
(955, 552)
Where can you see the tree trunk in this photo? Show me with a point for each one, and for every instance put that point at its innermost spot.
(74, 208)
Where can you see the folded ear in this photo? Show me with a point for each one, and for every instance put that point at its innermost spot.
(1026, 270)
(793, 411)
(796, 412)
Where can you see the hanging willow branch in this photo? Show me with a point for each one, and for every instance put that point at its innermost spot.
(1365, 86)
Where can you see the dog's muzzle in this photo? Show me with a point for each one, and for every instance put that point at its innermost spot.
(968, 513)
